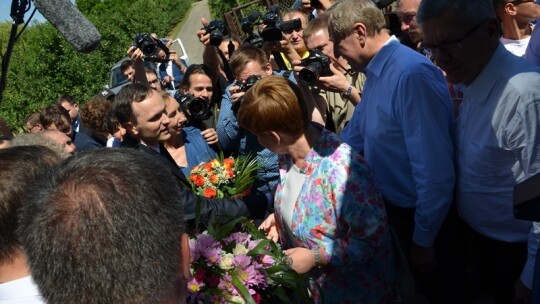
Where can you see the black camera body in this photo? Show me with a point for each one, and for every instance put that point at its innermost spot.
(274, 26)
(146, 43)
(250, 81)
(196, 109)
(150, 47)
(246, 85)
(217, 29)
(316, 65)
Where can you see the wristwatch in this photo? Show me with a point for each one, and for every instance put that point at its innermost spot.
(347, 93)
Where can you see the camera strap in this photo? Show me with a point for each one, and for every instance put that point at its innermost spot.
(226, 65)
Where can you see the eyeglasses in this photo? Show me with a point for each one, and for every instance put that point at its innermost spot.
(450, 46)
(521, 1)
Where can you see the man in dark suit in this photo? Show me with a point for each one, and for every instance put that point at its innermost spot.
(141, 111)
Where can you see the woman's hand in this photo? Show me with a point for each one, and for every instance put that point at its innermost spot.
(303, 259)
(269, 227)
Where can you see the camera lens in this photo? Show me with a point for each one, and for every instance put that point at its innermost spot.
(216, 37)
(198, 108)
(310, 74)
(148, 48)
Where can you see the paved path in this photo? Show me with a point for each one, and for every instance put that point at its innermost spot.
(194, 48)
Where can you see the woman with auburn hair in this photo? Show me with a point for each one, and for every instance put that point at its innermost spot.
(329, 214)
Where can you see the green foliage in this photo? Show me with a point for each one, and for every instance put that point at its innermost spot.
(44, 65)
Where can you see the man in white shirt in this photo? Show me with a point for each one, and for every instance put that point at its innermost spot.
(19, 166)
(516, 17)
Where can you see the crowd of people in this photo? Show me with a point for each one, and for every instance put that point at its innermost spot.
(387, 179)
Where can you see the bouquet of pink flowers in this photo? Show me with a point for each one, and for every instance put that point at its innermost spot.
(241, 267)
(223, 177)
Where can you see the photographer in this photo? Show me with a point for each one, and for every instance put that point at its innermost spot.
(342, 89)
(213, 60)
(249, 63)
(292, 46)
(172, 71)
(198, 84)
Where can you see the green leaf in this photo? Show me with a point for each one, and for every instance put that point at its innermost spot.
(243, 290)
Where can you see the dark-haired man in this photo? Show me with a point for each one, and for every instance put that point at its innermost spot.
(56, 117)
(141, 111)
(19, 168)
(106, 226)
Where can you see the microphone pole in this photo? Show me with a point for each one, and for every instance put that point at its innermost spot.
(18, 8)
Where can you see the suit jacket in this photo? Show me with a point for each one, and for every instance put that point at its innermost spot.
(220, 209)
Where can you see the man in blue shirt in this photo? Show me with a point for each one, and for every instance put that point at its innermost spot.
(497, 138)
(245, 62)
(403, 125)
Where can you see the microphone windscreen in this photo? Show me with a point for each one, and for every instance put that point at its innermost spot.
(71, 23)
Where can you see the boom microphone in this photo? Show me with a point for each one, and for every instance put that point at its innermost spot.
(71, 23)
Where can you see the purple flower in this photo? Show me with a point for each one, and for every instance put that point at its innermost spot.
(238, 238)
(212, 255)
(242, 261)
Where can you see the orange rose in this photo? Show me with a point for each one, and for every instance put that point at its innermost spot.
(208, 167)
(228, 163)
(214, 179)
(209, 192)
(231, 173)
(197, 180)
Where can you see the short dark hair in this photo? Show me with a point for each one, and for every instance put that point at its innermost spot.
(244, 55)
(19, 166)
(195, 69)
(130, 93)
(126, 64)
(65, 97)
(104, 227)
(53, 115)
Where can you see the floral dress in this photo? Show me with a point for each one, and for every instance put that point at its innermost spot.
(340, 209)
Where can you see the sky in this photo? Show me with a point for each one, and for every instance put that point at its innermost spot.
(5, 10)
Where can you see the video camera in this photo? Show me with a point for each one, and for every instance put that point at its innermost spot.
(196, 109)
(274, 26)
(150, 47)
(316, 65)
(217, 29)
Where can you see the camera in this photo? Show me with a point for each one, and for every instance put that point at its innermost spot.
(195, 108)
(250, 81)
(217, 29)
(273, 26)
(146, 43)
(246, 85)
(316, 65)
(150, 47)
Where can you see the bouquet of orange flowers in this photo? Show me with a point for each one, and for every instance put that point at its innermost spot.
(224, 177)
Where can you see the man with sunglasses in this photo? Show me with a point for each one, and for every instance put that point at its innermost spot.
(497, 138)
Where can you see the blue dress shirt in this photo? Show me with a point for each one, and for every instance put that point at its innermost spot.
(403, 125)
(498, 145)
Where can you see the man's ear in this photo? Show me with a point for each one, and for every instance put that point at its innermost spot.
(268, 69)
(360, 32)
(510, 9)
